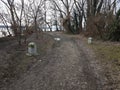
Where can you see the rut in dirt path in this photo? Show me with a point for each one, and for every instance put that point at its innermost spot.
(65, 67)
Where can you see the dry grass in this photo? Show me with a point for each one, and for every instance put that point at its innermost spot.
(108, 53)
(17, 62)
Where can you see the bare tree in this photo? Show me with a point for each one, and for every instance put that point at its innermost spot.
(4, 20)
(11, 7)
(79, 14)
(65, 8)
(16, 16)
(35, 12)
(19, 18)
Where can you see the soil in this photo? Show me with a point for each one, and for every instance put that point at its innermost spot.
(13, 59)
(68, 65)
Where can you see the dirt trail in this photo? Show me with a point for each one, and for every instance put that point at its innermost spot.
(69, 65)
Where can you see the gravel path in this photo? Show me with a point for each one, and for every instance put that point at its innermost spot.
(69, 65)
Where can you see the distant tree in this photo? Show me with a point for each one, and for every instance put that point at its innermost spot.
(16, 18)
(20, 18)
(4, 33)
(72, 13)
(4, 20)
(35, 13)
(79, 14)
(11, 10)
(65, 8)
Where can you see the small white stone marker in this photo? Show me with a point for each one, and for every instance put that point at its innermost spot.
(40, 60)
(90, 40)
(57, 39)
(32, 49)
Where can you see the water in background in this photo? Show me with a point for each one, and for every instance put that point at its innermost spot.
(5, 30)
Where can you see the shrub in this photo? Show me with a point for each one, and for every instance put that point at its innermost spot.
(114, 33)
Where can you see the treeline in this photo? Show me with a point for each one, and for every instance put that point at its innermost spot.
(96, 18)
(22, 13)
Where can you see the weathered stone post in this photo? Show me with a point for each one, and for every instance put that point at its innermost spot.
(32, 49)
(90, 40)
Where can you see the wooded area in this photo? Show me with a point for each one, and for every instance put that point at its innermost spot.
(95, 18)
